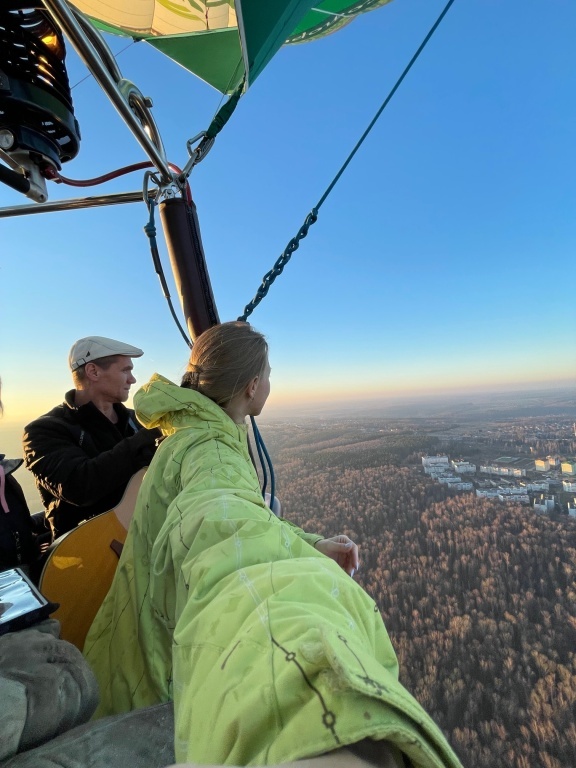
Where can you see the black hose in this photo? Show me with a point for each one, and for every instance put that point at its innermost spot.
(14, 179)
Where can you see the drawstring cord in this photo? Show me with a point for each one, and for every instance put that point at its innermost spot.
(3, 501)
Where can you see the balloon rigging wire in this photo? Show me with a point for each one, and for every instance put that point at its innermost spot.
(312, 217)
(384, 104)
(132, 42)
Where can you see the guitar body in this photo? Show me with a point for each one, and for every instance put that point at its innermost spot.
(81, 565)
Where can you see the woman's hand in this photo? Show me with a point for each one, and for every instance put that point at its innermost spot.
(342, 550)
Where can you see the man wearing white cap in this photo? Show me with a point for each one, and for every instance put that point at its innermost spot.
(84, 452)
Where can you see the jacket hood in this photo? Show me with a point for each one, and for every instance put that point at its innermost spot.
(163, 404)
(10, 465)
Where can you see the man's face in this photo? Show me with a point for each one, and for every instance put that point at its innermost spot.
(114, 382)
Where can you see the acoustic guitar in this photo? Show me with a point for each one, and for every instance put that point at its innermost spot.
(81, 565)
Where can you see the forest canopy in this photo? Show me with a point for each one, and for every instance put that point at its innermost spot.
(479, 598)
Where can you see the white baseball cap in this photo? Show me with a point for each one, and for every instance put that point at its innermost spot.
(92, 348)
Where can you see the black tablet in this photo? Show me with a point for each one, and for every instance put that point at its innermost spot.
(21, 604)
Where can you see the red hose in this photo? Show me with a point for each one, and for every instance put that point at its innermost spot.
(52, 174)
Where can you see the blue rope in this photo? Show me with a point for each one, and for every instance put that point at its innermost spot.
(257, 441)
(261, 448)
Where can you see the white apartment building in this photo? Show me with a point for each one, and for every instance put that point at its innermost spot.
(448, 479)
(544, 504)
(544, 485)
(435, 471)
(494, 469)
(487, 493)
(517, 498)
(513, 491)
(435, 461)
(463, 466)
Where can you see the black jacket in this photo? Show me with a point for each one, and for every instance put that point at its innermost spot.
(82, 462)
(18, 546)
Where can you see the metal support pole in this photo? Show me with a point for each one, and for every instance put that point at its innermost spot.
(74, 204)
(85, 49)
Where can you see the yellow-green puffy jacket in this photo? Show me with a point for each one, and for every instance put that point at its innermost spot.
(269, 650)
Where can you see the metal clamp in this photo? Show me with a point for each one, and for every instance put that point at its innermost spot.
(162, 192)
(140, 105)
(197, 154)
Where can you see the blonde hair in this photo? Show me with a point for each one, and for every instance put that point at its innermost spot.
(224, 360)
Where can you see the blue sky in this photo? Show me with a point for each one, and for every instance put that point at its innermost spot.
(443, 260)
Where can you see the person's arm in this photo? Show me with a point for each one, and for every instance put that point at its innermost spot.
(342, 550)
(339, 548)
(63, 468)
(309, 538)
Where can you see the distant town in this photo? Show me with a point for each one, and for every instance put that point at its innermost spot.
(511, 450)
(546, 483)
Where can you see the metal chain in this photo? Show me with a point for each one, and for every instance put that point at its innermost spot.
(313, 215)
(278, 267)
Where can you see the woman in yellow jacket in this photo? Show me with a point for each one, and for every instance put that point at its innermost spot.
(270, 650)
